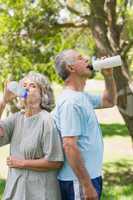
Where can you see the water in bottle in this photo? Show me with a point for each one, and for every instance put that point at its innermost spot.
(108, 62)
(18, 90)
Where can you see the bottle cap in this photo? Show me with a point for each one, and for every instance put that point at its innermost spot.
(24, 95)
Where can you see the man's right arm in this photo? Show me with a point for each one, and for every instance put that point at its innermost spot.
(76, 162)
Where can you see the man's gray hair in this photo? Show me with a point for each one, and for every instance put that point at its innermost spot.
(47, 100)
(62, 60)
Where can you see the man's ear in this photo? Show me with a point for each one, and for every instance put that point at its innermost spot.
(70, 68)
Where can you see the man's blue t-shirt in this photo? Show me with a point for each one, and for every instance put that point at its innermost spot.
(74, 115)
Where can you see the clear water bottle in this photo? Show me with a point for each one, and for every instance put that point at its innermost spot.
(15, 88)
(109, 62)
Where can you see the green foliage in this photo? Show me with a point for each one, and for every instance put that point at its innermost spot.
(30, 40)
(2, 186)
(27, 42)
(110, 130)
(117, 181)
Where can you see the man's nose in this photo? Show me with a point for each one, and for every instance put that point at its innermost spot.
(86, 59)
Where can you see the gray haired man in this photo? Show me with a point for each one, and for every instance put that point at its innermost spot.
(80, 177)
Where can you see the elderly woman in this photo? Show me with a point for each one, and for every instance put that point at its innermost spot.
(35, 147)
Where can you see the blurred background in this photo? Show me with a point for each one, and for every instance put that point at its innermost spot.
(31, 35)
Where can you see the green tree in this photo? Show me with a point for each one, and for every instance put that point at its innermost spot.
(27, 41)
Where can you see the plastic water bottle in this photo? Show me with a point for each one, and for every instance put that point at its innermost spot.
(109, 62)
(15, 88)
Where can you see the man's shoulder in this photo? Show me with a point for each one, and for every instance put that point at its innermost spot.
(69, 96)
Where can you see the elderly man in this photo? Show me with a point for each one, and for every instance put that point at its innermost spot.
(80, 177)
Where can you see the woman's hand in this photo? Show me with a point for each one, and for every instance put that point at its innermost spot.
(8, 96)
(13, 162)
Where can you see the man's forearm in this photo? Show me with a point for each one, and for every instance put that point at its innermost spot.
(110, 89)
(76, 162)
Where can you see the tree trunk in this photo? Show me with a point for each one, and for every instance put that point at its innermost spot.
(106, 45)
(125, 97)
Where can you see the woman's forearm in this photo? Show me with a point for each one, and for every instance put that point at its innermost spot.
(42, 164)
(2, 107)
(38, 164)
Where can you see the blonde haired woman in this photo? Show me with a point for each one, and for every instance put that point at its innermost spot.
(35, 147)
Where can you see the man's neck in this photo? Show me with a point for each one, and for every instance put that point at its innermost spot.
(74, 83)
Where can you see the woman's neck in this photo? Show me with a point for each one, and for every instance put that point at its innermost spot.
(32, 110)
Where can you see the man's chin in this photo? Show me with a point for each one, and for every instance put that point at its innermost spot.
(92, 74)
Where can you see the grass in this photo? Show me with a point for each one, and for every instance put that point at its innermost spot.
(110, 130)
(118, 177)
(2, 186)
(118, 162)
(118, 180)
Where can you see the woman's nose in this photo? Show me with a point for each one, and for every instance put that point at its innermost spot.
(27, 88)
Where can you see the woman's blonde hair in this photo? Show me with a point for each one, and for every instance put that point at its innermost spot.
(47, 101)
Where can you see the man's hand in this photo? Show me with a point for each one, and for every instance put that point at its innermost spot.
(13, 162)
(90, 193)
(107, 72)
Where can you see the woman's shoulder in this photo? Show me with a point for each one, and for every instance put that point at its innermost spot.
(46, 119)
(45, 115)
(14, 115)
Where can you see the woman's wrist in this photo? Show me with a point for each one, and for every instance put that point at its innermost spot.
(2, 107)
(3, 103)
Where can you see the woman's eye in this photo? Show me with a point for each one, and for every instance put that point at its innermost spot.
(33, 86)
